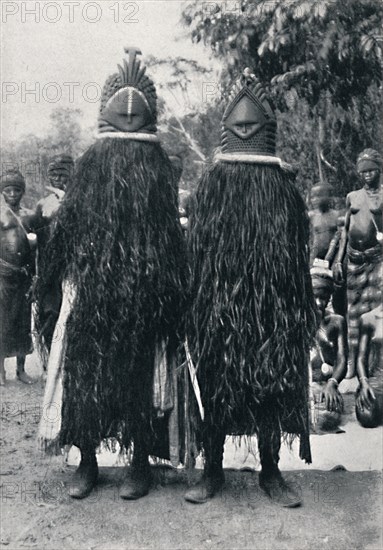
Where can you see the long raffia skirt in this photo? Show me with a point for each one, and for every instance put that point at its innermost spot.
(174, 437)
(252, 315)
(363, 287)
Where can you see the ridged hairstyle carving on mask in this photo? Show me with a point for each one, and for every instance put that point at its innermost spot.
(249, 123)
(129, 98)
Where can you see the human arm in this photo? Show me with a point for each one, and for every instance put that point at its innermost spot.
(36, 220)
(366, 394)
(333, 247)
(334, 244)
(332, 397)
(5, 215)
(47, 208)
(52, 203)
(311, 232)
(337, 266)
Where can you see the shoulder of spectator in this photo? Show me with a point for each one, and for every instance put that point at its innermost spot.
(356, 195)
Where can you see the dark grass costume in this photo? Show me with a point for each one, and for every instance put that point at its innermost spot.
(252, 317)
(16, 272)
(119, 241)
(126, 265)
(251, 312)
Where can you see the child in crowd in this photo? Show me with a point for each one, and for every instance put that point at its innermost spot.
(323, 221)
(329, 355)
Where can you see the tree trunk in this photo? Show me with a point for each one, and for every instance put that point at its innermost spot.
(320, 124)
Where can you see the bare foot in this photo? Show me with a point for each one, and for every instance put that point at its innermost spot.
(23, 377)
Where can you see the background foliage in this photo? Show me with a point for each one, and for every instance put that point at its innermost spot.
(31, 153)
(320, 59)
(323, 60)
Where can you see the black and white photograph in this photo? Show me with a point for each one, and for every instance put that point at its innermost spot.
(191, 275)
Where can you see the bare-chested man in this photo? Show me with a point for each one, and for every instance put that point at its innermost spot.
(16, 272)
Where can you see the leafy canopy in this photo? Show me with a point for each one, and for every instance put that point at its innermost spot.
(312, 45)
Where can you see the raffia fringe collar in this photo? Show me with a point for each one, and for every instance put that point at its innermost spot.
(251, 159)
(136, 136)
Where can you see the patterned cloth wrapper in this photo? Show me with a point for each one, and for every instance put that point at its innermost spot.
(363, 286)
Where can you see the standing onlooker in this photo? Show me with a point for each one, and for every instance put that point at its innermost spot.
(361, 242)
(60, 174)
(323, 221)
(16, 272)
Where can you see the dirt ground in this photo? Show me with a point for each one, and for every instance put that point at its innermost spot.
(342, 510)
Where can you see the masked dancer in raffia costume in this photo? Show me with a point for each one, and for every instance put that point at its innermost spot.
(253, 311)
(119, 243)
